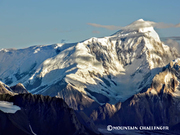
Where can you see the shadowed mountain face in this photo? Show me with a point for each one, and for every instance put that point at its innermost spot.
(142, 109)
(158, 105)
(145, 109)
(19, 88)
(41, 115)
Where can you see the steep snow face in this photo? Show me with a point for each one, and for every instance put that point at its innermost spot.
(108, 69)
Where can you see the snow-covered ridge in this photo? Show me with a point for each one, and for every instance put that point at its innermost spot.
(108, 69)
(20, 61)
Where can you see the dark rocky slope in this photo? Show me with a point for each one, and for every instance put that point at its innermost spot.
(159, 105)
(43, 115)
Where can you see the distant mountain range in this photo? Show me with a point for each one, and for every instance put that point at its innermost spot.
(128, 78)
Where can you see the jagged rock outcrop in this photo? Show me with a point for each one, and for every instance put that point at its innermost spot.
(19, 88)
(157, 106)
(167, 81)
(4, 89)
(145, 109)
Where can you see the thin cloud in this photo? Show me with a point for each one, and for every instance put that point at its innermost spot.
(109, 27)
(178, 25)
(162, 25)
(140, 24)
(173, 43)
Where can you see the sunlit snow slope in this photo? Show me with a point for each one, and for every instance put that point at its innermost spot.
(108, 69)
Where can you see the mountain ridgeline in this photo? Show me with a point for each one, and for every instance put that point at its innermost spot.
(99, 68)
(128, 78)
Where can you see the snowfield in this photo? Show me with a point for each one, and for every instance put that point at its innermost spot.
(114, 67)
(8, 107)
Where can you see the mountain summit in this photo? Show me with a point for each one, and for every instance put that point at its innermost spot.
(140, 26)
(129, 78)
(105, 70)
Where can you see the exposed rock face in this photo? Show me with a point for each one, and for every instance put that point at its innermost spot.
(43, 115)
(142, 109)
(19, 88)
(103, 113)
(157, 106)
(167, 81)
(145, 109)
(4, 89)
(76, 100)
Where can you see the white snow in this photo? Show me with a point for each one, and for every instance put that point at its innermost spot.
(154, 92)
(167, 77)
(32, 130)
(113, 66)
(21, 61)
(140, 26)
(8, 107)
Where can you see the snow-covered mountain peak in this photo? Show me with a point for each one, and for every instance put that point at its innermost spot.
(139, 27)
(108, 69)
(140, 19)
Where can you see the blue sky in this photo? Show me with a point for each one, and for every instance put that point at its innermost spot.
(25, 23)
